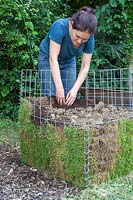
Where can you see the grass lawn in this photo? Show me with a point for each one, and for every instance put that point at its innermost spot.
(9, 132)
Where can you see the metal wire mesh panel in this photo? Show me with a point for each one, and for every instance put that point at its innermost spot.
(111, 86)
(114, 86)
(30, 83)
(81, 142)
(39, 82)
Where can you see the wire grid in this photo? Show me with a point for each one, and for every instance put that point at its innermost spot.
(111, 86)
(117, 89)
(35, 82)
(99, 152)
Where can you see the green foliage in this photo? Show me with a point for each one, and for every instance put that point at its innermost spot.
(18, 37)
(114, 35)
(75, 5)
(9, 93)
(24, 24)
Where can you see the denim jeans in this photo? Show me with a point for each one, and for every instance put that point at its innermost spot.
(67, 71)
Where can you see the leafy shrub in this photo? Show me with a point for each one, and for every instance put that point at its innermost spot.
(23, 25)
(114, 35)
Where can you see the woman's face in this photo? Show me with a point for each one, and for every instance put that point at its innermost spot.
(77, 37)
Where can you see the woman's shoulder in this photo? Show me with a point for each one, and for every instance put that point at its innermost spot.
(60, 26)
(62, 22)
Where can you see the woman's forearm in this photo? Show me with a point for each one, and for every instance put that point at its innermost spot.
(81, 77)
(54, 66)
(85, 65)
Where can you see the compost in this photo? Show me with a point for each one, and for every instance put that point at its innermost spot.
(79, 114)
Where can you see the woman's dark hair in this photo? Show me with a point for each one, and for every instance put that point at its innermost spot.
(84, 20)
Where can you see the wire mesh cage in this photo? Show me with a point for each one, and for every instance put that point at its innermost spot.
(82, 144)
(111, 86)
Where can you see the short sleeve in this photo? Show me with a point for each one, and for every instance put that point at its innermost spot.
(56, 32)
(89, 45)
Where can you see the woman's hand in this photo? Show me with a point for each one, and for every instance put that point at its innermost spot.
(60, 96)
(71, 96)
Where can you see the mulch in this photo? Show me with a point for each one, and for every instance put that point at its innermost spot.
(22, 182)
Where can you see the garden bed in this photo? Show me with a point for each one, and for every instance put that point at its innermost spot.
(76, 144)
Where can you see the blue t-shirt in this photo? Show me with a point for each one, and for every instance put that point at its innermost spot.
(59, 33)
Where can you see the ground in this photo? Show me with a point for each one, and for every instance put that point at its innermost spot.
(21, 182)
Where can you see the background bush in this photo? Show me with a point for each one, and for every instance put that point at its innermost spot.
(24, 23)
(114, 35)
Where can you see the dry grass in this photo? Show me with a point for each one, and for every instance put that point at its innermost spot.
(117, 189)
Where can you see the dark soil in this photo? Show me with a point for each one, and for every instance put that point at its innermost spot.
(79, 114)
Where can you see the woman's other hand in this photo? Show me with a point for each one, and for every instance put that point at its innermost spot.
(71, 96)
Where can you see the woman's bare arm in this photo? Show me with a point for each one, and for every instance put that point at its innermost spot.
(54, 66)
(85, 65)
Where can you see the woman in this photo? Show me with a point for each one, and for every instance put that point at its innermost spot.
(67, 39)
